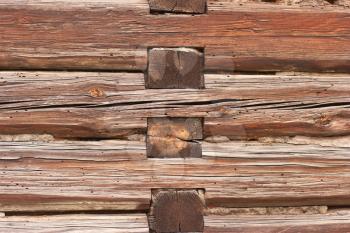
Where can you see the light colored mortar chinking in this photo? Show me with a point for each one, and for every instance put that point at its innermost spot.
(178, 6)
(174, 137)
(177, 210)
(175, 68)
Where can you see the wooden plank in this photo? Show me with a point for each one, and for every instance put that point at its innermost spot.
(117, 105)
(118, 33)
(255, 150)
(106, 151)
(91, 192)
(104, 223)
(293, 54)
(278, 5)
(320, 223)
(296, 176)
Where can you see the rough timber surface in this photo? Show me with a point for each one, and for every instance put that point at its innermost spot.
(116, 34)
(117, 105)
(320, 223)
(35, 177)
(122, 223)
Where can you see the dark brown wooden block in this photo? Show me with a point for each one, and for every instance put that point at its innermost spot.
(177, 68)
(177, 211)
(179, 127)
(178, 6)
(170, 147)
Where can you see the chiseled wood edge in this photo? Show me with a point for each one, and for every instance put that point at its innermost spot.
(104, 223)
(117, 105)
(318, 42)
(323, 223)
(33, 180)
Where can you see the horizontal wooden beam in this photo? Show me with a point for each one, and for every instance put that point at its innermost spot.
(117, 35)
(320, 223)
(104, 223)
(117, 105)
(46, 176)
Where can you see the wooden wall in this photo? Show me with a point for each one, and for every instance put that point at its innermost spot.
(272, 152)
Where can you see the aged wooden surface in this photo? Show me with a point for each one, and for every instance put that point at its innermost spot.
(278, 5)
(178, 6)
(175, 68)
(178, 127)
(34, 177)
(117, 34)
(174, 137)
(116, 105)
(123, 223)
(168, 147)
(177, 211)
(320, 223)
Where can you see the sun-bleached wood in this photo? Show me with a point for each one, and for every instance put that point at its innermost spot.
(104, 223)
(34, 177)
(318, 223)
(117, 34)
(117, 105)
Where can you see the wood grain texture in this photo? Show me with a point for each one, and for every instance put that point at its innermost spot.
(178, 6)
(177, 211)
(278, 5)
(176, 137)
(117, 34)
(117, 105)
(327, 223)
(34, 177)
(183, 128)
(168, 147)
(124, 223)
(175, 68)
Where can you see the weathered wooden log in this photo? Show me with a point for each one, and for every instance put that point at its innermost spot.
(122, 223)
(177, 211)
(117, 105)
(323, 223)
(36, 177)
(175, 68)
(117, 34)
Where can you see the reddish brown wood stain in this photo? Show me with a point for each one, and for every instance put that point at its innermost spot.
(234, 40)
